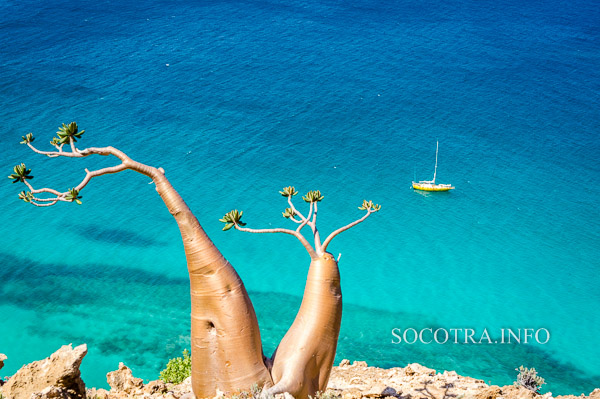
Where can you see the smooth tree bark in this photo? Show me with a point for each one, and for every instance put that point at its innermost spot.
(302, 362)
(225, 337)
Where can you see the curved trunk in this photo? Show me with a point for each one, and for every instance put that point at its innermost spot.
(303, 360)
(226, 346)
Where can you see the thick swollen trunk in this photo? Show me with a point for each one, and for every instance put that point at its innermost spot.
(226, 347)
(304, 358)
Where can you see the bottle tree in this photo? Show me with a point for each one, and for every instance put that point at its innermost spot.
(226, 346)
(302, 362)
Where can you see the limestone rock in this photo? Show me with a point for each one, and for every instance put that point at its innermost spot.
(374, 391)
(51, 393)
(450, 374)
(517, 392)
(182, 389)
(122, 380)
(60, 370)
(351, 393)
(416, 368)
(97, 393)
(491, 392)
(285, 395)
(2, 359)
(411, 382)
(347, 381)
(157, 386)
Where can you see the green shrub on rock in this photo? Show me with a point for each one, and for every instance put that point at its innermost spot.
(529, 379)
(178, 369)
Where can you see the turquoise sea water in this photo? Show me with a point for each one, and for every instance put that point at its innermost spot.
(236, 99)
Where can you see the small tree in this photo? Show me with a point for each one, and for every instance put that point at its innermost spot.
(303, 360)
(227, 351)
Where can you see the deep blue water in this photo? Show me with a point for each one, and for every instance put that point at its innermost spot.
(238, 99)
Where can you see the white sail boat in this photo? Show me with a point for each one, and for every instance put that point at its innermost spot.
(430, 185)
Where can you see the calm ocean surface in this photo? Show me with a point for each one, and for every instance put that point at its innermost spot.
(236, 99)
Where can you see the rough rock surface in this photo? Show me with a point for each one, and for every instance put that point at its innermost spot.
(414, 381)
(157, 386)
(51, 393)
(59, 373)
(491, 392)
(94, 393)
(353, 381)
(2, 359)
(348, 381)
(123, 381)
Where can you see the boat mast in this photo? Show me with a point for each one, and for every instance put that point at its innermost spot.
(437, 143)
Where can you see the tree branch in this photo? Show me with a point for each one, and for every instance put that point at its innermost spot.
(305, 220)
(41, 190)
(313, 225)
(54, 201)
(296, 234)
(126, 163)
(59, 153)
(73, 149)
(302, 218)
(104, 171)
(344, 228)
(294, 220)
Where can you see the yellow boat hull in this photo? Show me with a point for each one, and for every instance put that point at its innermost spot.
(432, 187)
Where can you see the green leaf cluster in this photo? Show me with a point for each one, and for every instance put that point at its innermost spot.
(74, 196)
(369, 205)
(26, 196)
(20, 173)
(28, 138)
(178, 369)
(66, 132)
(289, 212)
(288, 191)
(231, 219)
(529, 379)
(313, 196)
